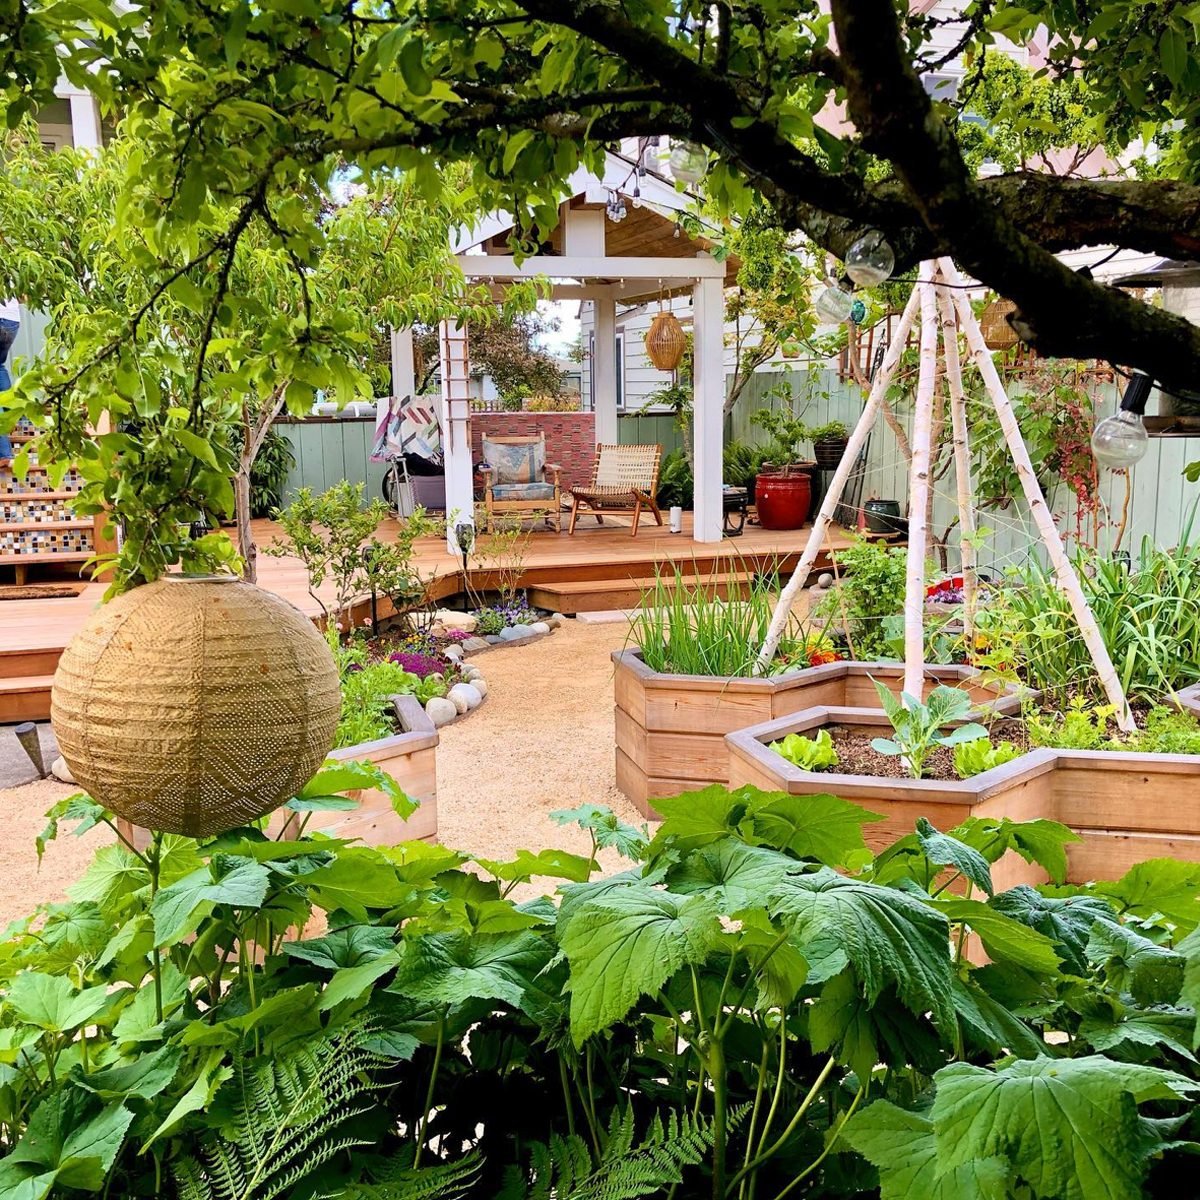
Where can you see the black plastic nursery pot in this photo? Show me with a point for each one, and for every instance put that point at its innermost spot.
(828, 452)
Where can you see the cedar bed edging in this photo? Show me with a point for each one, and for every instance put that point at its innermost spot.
(670, 729)
(1127, 807)
(410, 758)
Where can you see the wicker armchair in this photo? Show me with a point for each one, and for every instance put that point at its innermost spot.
(517, 479)
(624, 479)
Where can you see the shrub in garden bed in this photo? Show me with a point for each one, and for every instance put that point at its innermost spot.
(754, 1000)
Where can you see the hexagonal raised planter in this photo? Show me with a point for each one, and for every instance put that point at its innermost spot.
(1126, 807)
(670, 729)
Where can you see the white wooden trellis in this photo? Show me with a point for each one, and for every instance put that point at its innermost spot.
(940, 287)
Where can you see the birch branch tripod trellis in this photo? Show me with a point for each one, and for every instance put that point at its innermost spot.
(939, 289)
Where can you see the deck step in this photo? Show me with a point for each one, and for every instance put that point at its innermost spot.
(25, 698)
(599, 595)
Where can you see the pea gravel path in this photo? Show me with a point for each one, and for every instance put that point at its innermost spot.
(543, 740)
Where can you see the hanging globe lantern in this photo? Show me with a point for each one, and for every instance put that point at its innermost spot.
(870, 260)
(665, 342)
(195, 704)
(833, 305)
(688, 162)
(998, 334)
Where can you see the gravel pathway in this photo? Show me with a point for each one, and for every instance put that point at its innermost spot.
(543, 740)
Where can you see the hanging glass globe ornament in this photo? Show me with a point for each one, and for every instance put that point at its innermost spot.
(858, 312)
(688, 162)
(1121, 440)
(870, 260)
(833, 305)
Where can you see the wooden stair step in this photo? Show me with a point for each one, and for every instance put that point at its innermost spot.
(25, 698)
(581, 595)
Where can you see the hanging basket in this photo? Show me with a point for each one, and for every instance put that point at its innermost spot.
(998, 334)
(193, 704)
(665, 342)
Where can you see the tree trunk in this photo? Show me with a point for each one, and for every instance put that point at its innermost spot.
(245, 536)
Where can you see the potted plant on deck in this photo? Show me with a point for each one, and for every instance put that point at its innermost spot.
(783, 487)
(829, 444)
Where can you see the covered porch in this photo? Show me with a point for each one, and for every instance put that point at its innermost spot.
(609, 255)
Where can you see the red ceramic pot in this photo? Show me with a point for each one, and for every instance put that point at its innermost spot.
(783, 501)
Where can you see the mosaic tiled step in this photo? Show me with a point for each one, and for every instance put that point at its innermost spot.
(38, 483)
(56, 542)
(54, 506)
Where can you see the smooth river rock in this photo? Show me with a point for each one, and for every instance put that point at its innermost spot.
(466, 694)
(440, 710)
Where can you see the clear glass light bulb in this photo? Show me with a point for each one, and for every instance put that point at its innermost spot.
(833, 305)
(688, 162)
(1120, 441)
(870, 260)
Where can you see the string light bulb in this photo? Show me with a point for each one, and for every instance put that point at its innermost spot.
(688, 162)
(1121, 440)
(870, 260)
(833, 305)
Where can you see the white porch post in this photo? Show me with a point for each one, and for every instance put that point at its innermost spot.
(604, 371)
(456, 431)
(404, 369)
(85, 119)
(708, 417)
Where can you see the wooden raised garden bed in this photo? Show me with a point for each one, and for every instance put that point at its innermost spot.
(670, 729)
(410, 758)
(1127, 807)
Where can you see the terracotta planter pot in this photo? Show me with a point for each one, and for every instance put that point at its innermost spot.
(1112, 800)
(670, 729)
(783, 501)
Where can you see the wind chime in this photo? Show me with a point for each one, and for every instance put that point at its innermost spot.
(943, 306)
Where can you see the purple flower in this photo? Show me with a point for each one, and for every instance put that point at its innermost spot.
(416, 663)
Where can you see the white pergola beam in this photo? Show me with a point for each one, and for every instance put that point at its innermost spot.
(500, 267)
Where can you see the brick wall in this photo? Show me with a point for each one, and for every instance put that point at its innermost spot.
(570, 438)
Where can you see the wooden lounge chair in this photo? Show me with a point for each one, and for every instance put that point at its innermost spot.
(624, 479)
(517, 479)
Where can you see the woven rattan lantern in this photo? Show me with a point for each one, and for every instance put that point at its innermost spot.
(665, 342)
(195, 704)
(998, 334)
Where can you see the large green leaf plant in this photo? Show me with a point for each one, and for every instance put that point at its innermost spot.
(756, 1006)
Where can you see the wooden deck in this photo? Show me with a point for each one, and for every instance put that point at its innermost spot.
(599, 568)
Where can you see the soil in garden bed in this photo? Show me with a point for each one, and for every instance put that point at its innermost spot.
(856, 756)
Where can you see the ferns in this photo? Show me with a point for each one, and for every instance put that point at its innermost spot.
(280, 1118)
(566, 1170)
(447, 1181)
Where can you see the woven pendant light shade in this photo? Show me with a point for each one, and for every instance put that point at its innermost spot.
(665, 342)
(195, 704)
(998, 334)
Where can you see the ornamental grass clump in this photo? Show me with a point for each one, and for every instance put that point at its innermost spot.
(685, 627)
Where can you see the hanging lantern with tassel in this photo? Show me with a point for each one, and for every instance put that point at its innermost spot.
(665, 341)
(195, 704)
(998, 334)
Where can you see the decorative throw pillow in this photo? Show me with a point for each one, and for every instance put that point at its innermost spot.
(522, 463)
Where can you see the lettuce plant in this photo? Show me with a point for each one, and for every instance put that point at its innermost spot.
(809, 754)
(973, 758)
